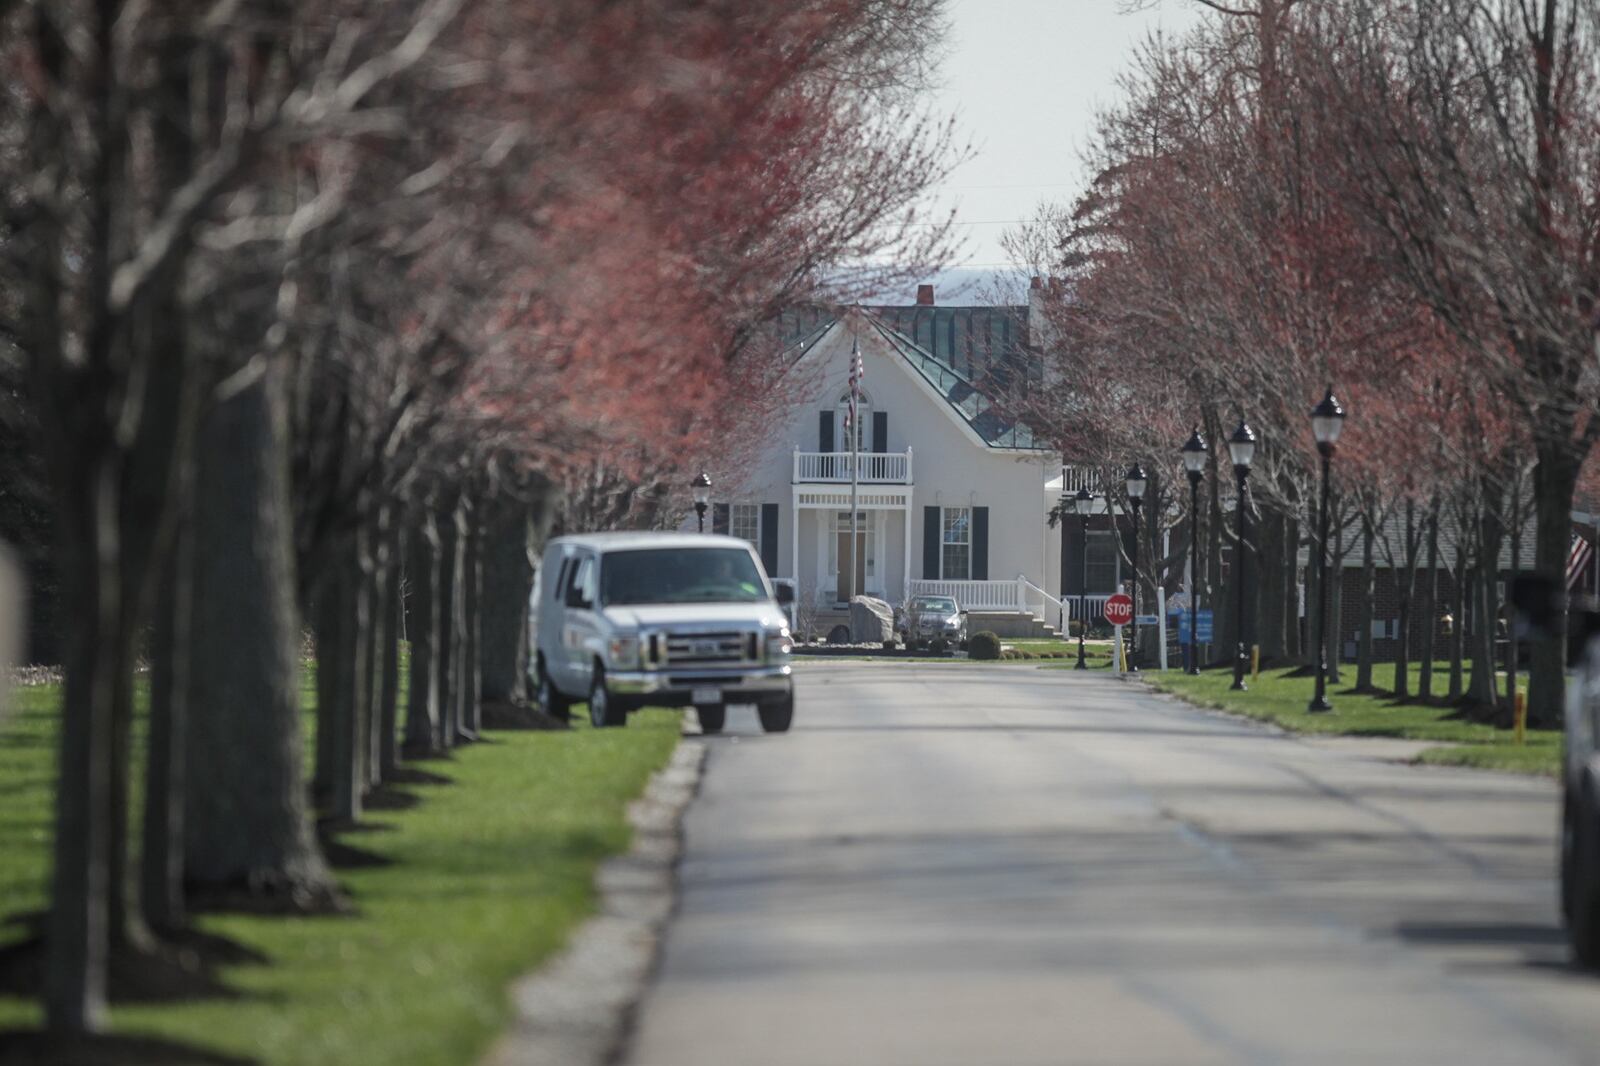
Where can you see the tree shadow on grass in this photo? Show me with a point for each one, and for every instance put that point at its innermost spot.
(413, 775)
(181, 966)
(22, 1047)
(510, 714)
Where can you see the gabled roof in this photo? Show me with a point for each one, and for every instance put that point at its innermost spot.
(976, 409)
(947, 347)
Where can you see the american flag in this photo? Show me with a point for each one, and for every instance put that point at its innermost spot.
(858, 371)
(1578, 560)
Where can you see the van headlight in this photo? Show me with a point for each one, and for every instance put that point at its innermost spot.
(624, 653)
(779, 643)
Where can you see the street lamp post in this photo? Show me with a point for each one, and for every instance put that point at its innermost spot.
(1327, 422)
(702, 496)
(1194, 465)
(1242, 449)
(1136, 484)
(1082, 503)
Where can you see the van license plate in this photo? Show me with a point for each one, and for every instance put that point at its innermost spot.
(702, 696)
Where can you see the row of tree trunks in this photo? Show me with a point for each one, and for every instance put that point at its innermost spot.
(248, 826)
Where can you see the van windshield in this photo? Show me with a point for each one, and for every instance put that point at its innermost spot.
(681, 575)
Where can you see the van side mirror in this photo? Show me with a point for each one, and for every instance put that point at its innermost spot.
(784, 594)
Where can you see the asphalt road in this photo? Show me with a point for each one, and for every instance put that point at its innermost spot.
(965, 865)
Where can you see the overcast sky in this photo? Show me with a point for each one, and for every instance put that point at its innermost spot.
(1024, 80)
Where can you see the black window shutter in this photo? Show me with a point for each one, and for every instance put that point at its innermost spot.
(980, 544)
(719, 518)
(825, 432)
(769, 537)
(880, 431)
(930, 543)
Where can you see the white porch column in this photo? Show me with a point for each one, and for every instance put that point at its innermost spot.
(905, 581)
(794, 540)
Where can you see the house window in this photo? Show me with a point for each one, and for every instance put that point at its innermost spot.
(956, 564)
(863, 424)
(1102, 562)
(744, 521)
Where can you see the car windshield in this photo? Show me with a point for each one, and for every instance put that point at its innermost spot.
(681, 575)
(934, 603)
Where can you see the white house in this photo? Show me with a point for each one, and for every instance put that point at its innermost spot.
(953, 497)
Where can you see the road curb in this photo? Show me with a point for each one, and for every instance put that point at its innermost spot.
(576, 1009)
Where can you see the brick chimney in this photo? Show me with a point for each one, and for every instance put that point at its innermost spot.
(924, 295)
(1035, 284)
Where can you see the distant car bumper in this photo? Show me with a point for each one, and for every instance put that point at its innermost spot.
(672, 688)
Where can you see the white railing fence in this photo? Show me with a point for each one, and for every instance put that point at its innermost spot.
(876, 468)
(1082, 477)
(1091, 607)
(974, 595)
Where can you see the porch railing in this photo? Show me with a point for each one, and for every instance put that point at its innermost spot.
(975, 595)
(876, 468)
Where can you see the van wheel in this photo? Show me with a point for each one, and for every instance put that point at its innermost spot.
(713, 716)
(550, 699)
(605, 710)
(777, 716)
(1580, 872)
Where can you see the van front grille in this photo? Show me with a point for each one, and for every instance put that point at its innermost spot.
(727, 647)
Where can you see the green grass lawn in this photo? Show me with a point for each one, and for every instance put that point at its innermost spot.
(1276, 696)
(466, 883)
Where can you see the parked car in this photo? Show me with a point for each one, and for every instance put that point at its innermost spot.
(937, 622)
(625, 620)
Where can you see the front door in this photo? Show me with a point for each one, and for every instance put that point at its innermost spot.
(845, 556)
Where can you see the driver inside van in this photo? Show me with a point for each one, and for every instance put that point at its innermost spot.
(724, 575)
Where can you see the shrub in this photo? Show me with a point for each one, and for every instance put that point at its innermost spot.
(983, 645)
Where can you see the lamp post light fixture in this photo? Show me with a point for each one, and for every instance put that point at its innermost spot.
(1082, 504)
(702, 497)
(1136, 482)
(1327, 422)
(1194, 465)
(1242, 449)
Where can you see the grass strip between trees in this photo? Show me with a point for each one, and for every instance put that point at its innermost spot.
(1280, 697)
(468, 875)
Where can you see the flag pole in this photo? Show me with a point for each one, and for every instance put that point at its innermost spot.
(855, 459)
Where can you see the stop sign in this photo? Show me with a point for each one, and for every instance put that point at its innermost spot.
(1119, 609)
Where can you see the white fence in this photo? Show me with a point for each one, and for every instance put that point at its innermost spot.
(877, 468)
(975, 595)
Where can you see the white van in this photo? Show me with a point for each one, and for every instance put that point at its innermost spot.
(625, 620)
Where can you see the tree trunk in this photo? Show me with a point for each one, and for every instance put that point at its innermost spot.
(1486, 606)
(92, 592)
(449, 623)
(1427, 627)
(423, 721)
(1517, 522)
(245, 795)
(508, 568)
(1554, 481)
(472, 622)
(341, 615)
(1364, 606)
(1271, 582)
(1458, 612)
(380, 599)
(161, 854)
(1292, 590)
(389, 623)
(1405, 586)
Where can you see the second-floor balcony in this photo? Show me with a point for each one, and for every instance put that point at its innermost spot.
(871, 468)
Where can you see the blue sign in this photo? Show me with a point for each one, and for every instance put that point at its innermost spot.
(1147, 620)
(1203, 634)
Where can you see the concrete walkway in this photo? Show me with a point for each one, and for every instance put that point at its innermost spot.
(1000, 865)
